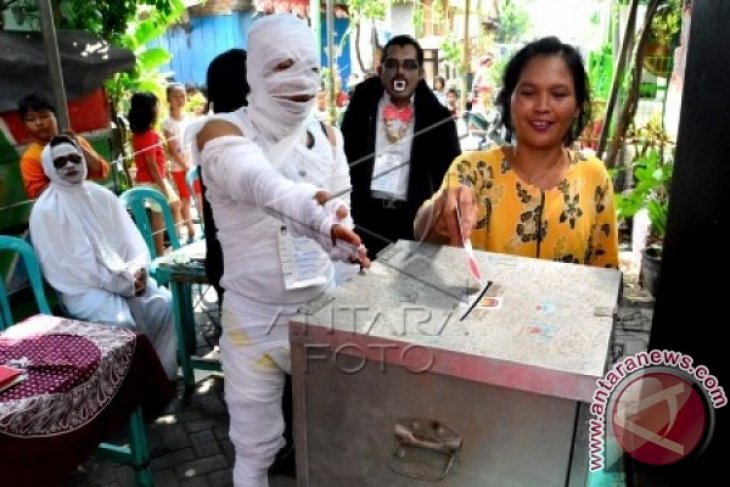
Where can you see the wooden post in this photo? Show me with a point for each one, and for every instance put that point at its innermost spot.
(627, 41)
(466, 59)
(54, 63)
(331, 95)
(315, 22)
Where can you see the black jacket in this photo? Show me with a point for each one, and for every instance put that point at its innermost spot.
(434, 147)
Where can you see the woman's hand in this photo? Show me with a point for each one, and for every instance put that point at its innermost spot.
(439, 221)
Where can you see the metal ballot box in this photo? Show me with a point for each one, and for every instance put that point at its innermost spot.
(393, 388)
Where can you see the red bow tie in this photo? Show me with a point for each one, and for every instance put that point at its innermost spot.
(392, 113)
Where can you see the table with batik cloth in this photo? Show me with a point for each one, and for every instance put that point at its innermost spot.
(83, 381)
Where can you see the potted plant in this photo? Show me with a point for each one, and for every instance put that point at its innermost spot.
(663, 38)
(652, 177)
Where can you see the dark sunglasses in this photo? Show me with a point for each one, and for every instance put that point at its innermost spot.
(408, 64)
(60, 162)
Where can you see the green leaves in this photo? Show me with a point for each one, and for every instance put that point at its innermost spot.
(152, 58)
(146, 24)
(652, 177)
(452, 50)
(371, 9)
(514, 21)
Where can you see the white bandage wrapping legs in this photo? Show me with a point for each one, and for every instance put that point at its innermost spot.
(254, 387)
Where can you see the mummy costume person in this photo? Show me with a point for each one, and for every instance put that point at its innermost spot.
(263, 184)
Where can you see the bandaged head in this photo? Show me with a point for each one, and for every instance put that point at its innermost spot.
(283, 72)
(63, 161)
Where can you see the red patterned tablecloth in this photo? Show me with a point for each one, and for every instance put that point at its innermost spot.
(82, 381)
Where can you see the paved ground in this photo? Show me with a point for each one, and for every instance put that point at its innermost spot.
(190, 445)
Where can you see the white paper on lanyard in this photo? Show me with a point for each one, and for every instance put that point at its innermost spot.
(303, 263)
(387, 173)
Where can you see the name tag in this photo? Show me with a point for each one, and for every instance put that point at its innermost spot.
(303, 262)
(387, 174)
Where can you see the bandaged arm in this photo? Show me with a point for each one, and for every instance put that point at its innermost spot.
(238, 165)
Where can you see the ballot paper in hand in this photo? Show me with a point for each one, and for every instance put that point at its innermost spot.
(471, 260)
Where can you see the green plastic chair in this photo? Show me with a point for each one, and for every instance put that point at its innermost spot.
(25, 251)
(135, 200)
(137, 453)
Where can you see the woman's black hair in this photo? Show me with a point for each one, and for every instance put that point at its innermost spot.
(227, 92)
(226, 81)
(142, 111)
(547, 46)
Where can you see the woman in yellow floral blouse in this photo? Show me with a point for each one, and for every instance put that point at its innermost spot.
(536, 198)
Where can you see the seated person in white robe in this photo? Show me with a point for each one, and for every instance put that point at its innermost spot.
(94, 256)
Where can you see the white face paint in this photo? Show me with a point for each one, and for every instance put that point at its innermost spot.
(69, 163)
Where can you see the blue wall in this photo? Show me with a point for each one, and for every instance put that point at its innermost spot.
(208, 36)
(192, 50)
(343, 62)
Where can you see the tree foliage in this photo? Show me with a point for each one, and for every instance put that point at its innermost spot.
(514, 21)
(107, 19)
(364, 9)
(140, 31)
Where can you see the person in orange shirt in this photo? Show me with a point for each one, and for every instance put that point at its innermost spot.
(39, 117)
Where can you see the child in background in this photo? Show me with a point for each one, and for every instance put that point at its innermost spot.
(173, 129)
(149, 157)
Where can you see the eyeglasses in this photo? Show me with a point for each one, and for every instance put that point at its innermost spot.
(60, 162)
(393, 64)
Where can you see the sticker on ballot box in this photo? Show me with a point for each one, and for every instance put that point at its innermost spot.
(489, 302)
(540, 331)
(303, 262)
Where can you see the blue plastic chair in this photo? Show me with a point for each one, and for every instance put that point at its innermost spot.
(135, 200)
(137, 453)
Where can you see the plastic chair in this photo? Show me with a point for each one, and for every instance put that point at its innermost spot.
(135, 200)
(137, 453)
(25, 251)
(191, 177)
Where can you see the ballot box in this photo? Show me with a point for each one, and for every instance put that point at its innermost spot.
(397, 382)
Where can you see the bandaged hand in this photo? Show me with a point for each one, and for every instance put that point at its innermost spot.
(345, 244)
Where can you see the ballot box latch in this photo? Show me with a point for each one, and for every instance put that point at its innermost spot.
(425, 449)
